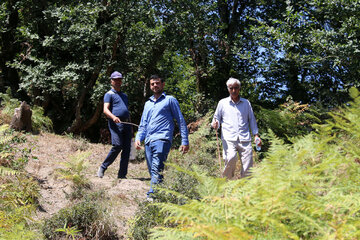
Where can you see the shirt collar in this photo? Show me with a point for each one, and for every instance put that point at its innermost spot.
(231, 101)
(115, 90)
(152, 97)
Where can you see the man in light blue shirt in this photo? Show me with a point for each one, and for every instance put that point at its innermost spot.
(236, 117)
(156, 129)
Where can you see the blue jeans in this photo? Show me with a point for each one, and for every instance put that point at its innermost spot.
(121, 142)
(156, 153)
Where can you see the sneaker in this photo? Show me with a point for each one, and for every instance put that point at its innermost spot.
(149, 199)
(100, 172)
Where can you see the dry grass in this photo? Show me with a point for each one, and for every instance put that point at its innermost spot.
(122, 195)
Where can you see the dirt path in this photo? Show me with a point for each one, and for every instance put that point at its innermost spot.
(50, 150)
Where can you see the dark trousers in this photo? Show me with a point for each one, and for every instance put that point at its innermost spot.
(121, 142)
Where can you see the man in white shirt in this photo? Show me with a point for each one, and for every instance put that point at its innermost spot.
(236, 117)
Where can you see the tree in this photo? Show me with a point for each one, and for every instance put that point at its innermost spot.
(316, 54)
(67, 70)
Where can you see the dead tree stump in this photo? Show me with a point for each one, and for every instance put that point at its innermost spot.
(21, 119)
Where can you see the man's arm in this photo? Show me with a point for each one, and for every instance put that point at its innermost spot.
(253, 125)
(217, 116)
(140, 136)
(108, 113)
(175, 108)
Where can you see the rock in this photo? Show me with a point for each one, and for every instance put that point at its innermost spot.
(21, 119)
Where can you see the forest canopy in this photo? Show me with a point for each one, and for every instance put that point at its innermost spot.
(59, 54)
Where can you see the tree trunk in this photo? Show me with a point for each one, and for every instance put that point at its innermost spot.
(9, 49)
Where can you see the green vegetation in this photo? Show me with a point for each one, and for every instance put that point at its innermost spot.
(19, 194)
(304, 190)
(74, 171)
(40, 122)
(18, 191)
(87, 219)
(59, 54)
(296, 61)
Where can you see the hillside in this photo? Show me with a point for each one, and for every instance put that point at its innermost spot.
(51, 150)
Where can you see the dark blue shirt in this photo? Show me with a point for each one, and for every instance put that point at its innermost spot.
(118, 103)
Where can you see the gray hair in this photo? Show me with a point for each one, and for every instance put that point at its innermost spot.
(232, 81)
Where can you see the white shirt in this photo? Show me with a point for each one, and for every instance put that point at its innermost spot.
(235, 119)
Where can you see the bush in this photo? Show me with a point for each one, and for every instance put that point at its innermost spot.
(307, 190)
(39, 121)
(74, 171)
(88, 216)
(8, 105)
(19, 193)
(147, 217)
(290, 120)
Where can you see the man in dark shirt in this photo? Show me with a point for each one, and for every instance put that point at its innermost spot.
(116, 110)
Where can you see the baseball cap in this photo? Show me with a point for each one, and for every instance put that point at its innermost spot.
(116, 74)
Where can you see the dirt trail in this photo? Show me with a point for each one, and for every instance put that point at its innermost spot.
(50, 150)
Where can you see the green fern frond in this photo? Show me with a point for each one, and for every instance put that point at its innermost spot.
(74, 169)
(306, 190)
(4, 171)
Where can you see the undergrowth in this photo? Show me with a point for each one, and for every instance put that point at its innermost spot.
(305, 190)
(87, 219)
(40, 122)
(19, 192)
(74, 170)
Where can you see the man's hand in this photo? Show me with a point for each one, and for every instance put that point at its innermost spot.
(215, 124)
(138, 145)
(116, 120)
(257, 140)
(184, 148)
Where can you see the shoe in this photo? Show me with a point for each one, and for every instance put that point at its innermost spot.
(122, 177)
(100, 172)
(149, 199)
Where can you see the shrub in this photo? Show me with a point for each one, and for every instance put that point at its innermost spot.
(147, 217)
(18, 229)
(74, 171)
(88, 216)
(39, 121)
(18, 192)
(307, 190)
(8, 105)
(289, 120)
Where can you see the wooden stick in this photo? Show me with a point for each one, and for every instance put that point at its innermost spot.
(130, 123)
(218, 150)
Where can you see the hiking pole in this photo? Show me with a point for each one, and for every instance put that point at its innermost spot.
(218, 150)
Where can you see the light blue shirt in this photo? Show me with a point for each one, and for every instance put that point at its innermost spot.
(236, 119)
(157, 120)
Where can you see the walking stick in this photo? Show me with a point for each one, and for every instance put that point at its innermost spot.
(218, 150)
(129, 123)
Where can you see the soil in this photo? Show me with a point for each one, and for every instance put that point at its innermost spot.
(51, 151)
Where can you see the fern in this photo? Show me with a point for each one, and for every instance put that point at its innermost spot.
(306, 190)
(7, 171)
(8, 105)
(74, 169)
(39, 121)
